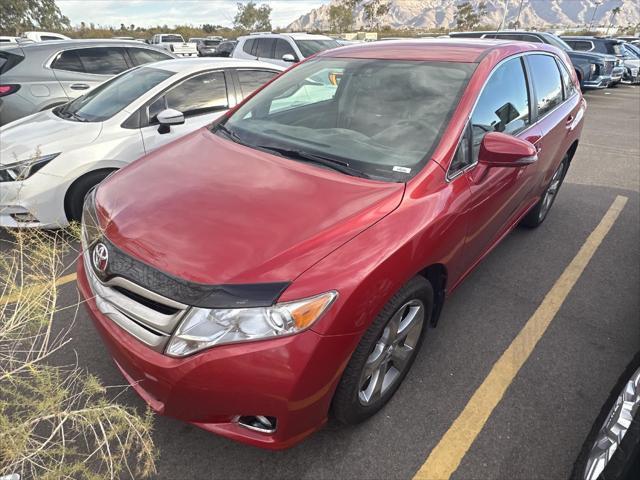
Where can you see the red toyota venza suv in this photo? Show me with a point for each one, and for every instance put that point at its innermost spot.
(287, 261)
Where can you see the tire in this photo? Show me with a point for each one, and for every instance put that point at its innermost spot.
(74, 199)
(624, 464)
(350, 405)
(540, 210)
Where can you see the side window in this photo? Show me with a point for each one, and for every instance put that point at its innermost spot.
(200, 94)
(248, 45)
(282, 48)
(503, 105)
(265, 47)
(140, 56)
(49, 37)
(546, 82)
(568, 86)
(580, 45)
(251, 80)
(463, 157)
(103, 61)
(69, 61)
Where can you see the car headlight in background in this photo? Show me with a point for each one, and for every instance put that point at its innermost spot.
(22, 170)
(204, 328)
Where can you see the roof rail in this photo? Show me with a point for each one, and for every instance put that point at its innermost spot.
(260, 33)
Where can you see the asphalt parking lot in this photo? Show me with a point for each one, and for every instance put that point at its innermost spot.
(538, 425)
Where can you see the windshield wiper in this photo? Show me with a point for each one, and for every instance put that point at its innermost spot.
(333, 163)
(232, 135)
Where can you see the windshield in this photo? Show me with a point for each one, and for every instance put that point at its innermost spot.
(633, 49)
(112, 96)
(558, 42)
(381, 118)
(172, 39)
(311, 47)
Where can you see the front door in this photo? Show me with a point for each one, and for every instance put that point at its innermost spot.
(201, 99)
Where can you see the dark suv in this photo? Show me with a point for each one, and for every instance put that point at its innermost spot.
(594, 70)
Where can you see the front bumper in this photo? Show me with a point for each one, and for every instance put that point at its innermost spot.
(602, 81)
(291, 378)
(42, 196)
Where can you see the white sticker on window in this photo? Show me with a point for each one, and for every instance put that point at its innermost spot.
(401, 169)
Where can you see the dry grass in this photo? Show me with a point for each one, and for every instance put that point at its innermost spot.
(56, 422)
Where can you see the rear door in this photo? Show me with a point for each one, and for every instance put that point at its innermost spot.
(556, 111)
(498, 194)
(201, 98)
(81, 69)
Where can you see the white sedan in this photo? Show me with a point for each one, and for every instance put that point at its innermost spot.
(50, 160)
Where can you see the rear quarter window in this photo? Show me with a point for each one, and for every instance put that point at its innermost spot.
(9, 60)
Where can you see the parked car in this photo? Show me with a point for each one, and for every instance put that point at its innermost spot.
(594, 70)
(44, 36)
(225, 49)
(50, 160)
(611, 450)
(282, 48)
(7, 41)
(175, 44)
(605, 46)
(288, 260)
(206, 47)
(40, 76)
(631, 62)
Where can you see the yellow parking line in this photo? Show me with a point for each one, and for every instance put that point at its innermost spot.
(445, 458)
(16, 296)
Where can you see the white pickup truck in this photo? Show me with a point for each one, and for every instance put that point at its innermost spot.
(175, 44)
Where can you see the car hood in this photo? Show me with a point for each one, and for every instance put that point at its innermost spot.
(43, 133)
(211, 211)
(590, 56)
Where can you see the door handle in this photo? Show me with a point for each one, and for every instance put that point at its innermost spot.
(79, 86)
(570, 119)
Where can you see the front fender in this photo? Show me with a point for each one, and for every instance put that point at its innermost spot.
(367, 271)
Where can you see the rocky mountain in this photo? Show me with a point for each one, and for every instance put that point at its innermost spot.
(417, 14)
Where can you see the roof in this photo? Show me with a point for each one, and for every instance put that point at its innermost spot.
(82, 43)
(294, 35)
(189, 65)
(466, 50)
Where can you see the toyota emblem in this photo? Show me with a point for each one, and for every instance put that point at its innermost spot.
(100, 257)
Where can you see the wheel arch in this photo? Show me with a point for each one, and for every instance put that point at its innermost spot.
(436, 274)
(71, 186)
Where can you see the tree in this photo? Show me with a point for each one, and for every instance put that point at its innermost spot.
(17, 16)
(374, 9)
(340, 16)
(251, 17)
(468, 18)
(614, 13)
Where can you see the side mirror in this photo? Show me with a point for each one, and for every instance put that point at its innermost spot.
(287, 57)
(169, 117)
(502, 150)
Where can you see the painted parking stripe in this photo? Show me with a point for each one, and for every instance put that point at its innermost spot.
(16, 296)
(445, 458)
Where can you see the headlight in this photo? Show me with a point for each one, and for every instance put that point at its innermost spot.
(14, 172)
(204, 328)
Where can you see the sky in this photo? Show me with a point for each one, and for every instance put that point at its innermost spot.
(146, 13)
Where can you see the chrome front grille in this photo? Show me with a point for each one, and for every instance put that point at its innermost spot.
(608, 67)
(149, 317)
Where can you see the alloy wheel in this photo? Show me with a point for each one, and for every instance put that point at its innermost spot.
(393, 352)
(552, 190)
(610, 436)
